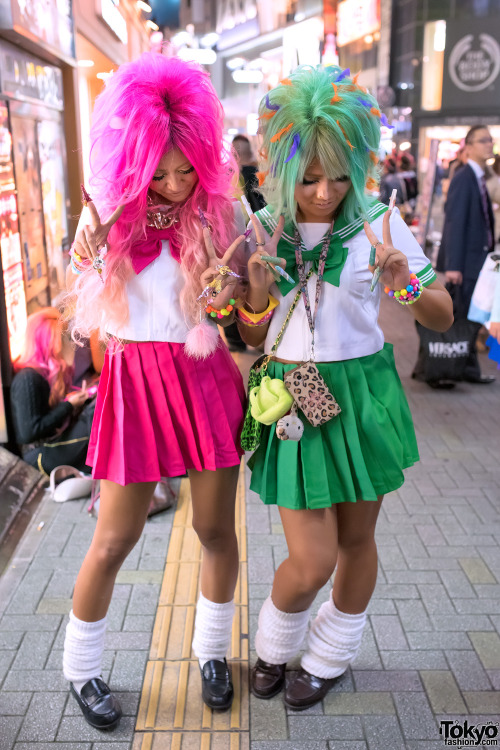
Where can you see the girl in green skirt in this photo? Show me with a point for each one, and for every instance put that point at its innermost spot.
(320, 139)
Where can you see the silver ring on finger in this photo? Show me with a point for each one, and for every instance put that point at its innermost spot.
(260, 244)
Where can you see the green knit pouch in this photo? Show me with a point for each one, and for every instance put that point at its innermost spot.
(252, 430)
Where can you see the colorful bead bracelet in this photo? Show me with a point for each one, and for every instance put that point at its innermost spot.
(409, 294)
(223, 312)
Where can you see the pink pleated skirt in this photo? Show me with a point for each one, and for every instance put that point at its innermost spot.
(160, 412)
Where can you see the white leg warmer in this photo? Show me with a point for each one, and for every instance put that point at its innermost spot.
(212, 629)
(280, 634)
(333, 642)
(83, 649)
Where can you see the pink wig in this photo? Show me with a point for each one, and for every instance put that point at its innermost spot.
(148, 107)
(43, 352)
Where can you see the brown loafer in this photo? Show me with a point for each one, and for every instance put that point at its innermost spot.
(266, 679)
(305, 690)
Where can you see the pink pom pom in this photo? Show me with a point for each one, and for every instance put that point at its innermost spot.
(202, 340)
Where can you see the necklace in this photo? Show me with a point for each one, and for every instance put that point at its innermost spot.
(159, 216)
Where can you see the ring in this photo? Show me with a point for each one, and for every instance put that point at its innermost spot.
(98, 264)
(260, 244)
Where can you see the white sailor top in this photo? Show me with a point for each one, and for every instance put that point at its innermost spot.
(347, 320)
(154, 298)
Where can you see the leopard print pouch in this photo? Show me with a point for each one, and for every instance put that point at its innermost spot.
(310, 392)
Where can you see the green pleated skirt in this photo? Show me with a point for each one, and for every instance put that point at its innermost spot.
(358, 455)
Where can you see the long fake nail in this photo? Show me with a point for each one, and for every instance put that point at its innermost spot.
(85, 196)
(203, 218)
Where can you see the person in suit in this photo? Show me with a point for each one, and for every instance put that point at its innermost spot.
(469, 230)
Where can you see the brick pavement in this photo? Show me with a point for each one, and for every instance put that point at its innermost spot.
(430, 652)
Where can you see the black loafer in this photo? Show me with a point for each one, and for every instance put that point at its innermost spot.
(99, 706)
(216, 686)
(305, 690)
(267, 680)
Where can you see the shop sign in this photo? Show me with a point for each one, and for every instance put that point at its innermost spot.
(356, 19)
(471, 76)
(112, 17)
(25, 77)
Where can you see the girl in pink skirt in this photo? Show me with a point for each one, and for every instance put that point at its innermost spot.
(170, 398)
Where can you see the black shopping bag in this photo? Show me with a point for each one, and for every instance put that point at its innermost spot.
(444, 356)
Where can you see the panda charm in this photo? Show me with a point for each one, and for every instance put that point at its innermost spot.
(290, 427)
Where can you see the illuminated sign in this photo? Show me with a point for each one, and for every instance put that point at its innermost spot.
(114, 19)
(356, 19)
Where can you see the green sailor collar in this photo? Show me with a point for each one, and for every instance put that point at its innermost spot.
(337, 253)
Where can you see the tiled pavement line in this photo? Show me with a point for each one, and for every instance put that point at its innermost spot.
(172, 715)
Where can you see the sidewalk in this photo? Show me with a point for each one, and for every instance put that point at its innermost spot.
(431, 649)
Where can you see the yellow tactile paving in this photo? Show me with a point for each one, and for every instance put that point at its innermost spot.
(172, 715)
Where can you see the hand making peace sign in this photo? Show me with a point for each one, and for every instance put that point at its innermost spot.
(91, 238)
(258, 271)
(212, 273)
(394, 263)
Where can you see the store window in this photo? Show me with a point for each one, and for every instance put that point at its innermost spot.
(10, 242)
(432, 67)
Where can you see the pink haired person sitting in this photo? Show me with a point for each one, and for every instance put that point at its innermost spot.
(171, 398)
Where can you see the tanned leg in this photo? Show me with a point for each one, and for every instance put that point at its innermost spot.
(213, 496)
(356, 572)
(122, 515)
(311, 537)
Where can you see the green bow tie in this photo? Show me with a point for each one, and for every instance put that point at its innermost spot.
(337, 252)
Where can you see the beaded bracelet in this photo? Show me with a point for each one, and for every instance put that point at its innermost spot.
(223, 312)
(75, 270)
(258, 319)
(410, 294)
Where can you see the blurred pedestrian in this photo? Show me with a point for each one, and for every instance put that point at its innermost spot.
(493, 186)
(391, 181)
(408, 175)
(468, 232)
(247, 162)
(52, 421)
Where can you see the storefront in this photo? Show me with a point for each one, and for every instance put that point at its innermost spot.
(107, 34)
(36, 46)
(460, 84)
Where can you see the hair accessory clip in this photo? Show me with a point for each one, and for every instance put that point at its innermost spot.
(117, 123)
(343, 75)
(275, 107)
(345, 136)
(277, 136)
(335, 98)
(294, 148)
(261, 176)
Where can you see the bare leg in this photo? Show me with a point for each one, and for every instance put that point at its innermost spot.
(122, 515)
(213, 495)
(311, 537)
(356, 573)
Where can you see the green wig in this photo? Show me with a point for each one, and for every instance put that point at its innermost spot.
(318, 112)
